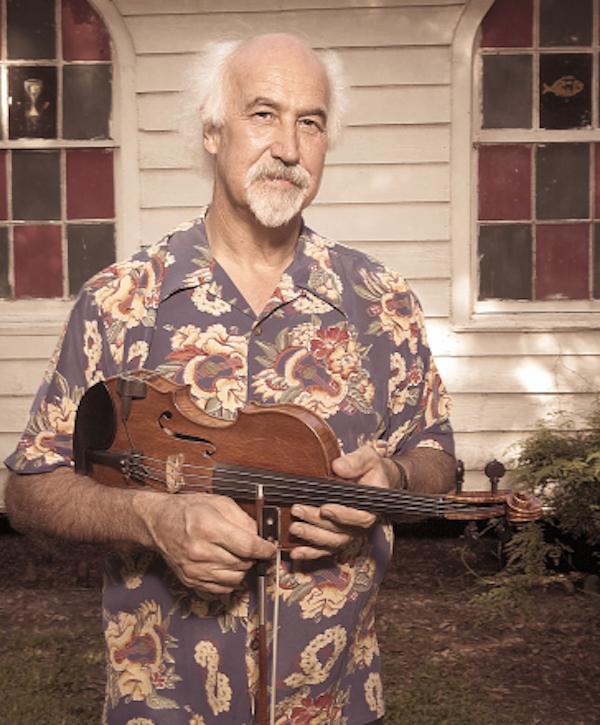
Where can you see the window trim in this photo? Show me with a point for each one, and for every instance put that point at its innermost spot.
(467, 313)
(46, 316)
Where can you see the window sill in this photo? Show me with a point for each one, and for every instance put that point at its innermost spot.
(529, 321)
(33, 317)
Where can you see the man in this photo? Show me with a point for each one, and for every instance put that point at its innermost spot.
(245, 304)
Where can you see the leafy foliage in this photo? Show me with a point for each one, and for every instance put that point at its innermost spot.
(562, 465)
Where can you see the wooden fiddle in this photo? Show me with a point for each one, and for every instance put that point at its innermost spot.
(145, 431)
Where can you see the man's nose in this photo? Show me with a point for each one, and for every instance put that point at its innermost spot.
(285, 145)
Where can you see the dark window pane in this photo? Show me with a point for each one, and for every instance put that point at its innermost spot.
(505, 182)
(84, 36)
(4, 259)
(36, 185)
(596, 283)
(561, 261)
(563, 181)
(31, 32)
(90, 184)
(507, 91)
(91, 248)
(508, 24)
(32, 108)
(86, 101)
(38, 261)
(565, 23)
(3, 187)
(565, 90)
(505, 262)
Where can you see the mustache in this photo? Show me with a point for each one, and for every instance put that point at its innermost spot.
(273, 169)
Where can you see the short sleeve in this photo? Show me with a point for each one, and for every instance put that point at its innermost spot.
(82, 358)
(418, 403)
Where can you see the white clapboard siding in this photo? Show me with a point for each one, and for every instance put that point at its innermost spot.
(26, 347)
(15, 412)
(419, 144)
(21, 377)
(157, 7)
(174, 187)
(444, 341)
(410, 25)
(368, 145)
(398, 105)
(428, 65)
(472, 412)
(413, 260)
(384, 183)
(521, 374)
(8, 441)
(394, 222)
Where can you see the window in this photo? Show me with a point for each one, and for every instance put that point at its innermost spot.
(533, 162)
(57, 200)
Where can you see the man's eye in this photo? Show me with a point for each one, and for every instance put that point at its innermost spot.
(264, 115)
(311, 124)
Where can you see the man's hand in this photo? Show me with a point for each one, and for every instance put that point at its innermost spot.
(332, 526)
(208, 540)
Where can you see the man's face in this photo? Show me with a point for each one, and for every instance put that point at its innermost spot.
(271, 148)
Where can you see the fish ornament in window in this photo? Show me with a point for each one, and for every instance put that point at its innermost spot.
(564, 87)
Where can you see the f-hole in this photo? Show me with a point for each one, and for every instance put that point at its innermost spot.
(166, 415)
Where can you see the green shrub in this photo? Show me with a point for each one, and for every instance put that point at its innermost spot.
(561, 465)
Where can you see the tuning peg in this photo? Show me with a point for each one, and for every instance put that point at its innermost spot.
(459, 476)
(494, 470)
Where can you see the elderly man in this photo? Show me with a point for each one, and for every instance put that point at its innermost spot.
(245, 304)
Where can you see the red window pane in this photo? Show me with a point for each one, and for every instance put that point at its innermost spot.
(562, 261)
(505, 182)
(508, 24)
(84, 35)
(90, 193)
(3, 198)
(38, 261)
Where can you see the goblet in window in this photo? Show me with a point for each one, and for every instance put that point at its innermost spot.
(33, 89)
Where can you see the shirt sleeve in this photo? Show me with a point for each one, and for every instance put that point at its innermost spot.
(82, 358)
(418, 403)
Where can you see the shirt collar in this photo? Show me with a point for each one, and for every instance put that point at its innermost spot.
(192, 265)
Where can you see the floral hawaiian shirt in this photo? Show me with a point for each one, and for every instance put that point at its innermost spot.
(342, 336)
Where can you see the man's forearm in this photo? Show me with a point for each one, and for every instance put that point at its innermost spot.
(65, 504)
(428, 470)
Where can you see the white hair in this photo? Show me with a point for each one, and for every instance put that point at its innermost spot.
(203, 102)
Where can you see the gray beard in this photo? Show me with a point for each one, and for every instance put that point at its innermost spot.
(274, 207)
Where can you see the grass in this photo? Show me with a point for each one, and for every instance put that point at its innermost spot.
(436, 695)
(53, 678)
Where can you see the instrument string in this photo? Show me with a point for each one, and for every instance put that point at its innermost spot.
(293, 488)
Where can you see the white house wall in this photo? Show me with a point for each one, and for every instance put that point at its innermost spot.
(386, 190)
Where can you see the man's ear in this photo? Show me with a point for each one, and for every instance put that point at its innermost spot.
(211, 137)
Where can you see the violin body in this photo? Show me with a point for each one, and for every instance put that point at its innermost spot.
(144, 431)
(165, 425)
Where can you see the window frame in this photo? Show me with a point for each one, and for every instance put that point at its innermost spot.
(467, 312)
(45, 316)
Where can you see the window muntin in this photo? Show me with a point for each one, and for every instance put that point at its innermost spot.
(57, 206)
(538, 215)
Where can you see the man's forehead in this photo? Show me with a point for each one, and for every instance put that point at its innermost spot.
(272, 71)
